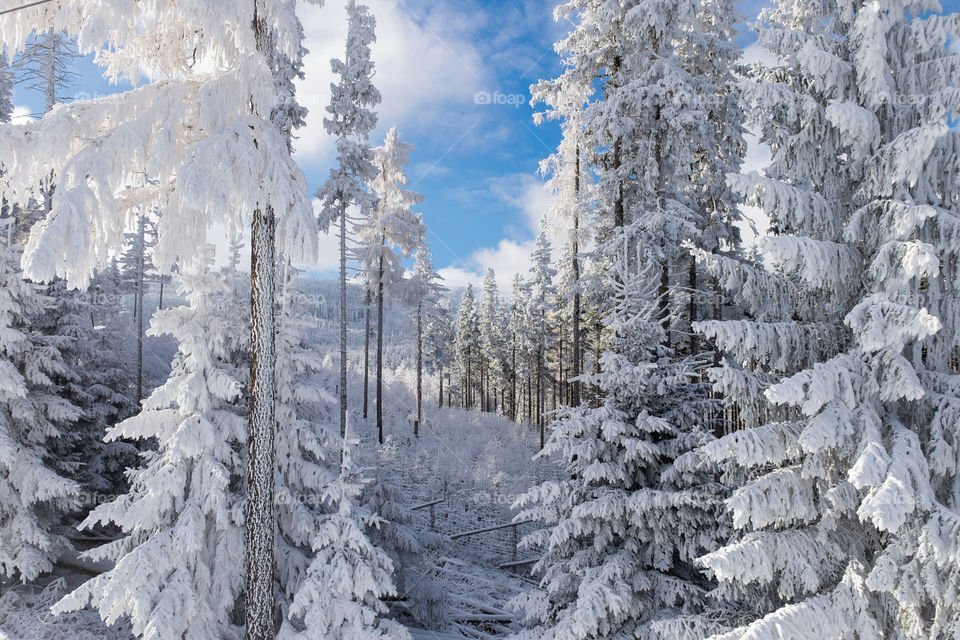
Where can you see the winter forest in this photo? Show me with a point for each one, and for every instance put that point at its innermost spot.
(719, 400)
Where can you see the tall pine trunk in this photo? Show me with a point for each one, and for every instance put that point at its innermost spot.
(693, 305)
(513, 379)
(343, 326)
(575, 389)
(261, 452)
(440, 395)
(540, 398)
(138, 302)
(416, 425)
(380, 351)
(366, 356)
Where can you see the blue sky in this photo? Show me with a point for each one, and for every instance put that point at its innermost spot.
(475, 163)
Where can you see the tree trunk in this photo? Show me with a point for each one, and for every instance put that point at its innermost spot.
(366, 357)
(663, 297)
(618, 211)
(416, 425)
(380, 352)
(261, 452)
(693, 304)
(575, 390)
(558, 383)
(260, 517)
(162, 280)
(540, 394)
(138, 303)
(440, 395)
(513, 380)
(599, 327)
(343, 326)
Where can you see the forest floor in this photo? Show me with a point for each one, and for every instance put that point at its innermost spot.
(476, 463)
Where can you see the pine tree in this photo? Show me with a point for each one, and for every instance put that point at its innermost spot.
(33, 417)
(341, 595)
(621, 535)
(847, 514)
(136, 269)
(90, 331)
(352, 119)
(225, 112)
(566, 98)
(492, 358)
(389, 232)
(427, 291)
(307, 441)
(6, 90)
(520, 339)
(439, 338)
(176, 571)
(45, 66)
(540, 305)
(410, 552)
(467, 345)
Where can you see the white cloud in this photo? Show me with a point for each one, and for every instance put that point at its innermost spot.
(424, 66)
(531, 200)
(21, 115)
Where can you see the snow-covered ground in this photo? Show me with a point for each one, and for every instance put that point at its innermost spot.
(476, 463)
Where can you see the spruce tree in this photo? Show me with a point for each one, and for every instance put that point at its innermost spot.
(621, 533)
(388, 232)
(34, 419)
(351, 120)
(846, 516)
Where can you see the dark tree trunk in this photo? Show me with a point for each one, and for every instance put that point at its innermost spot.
(380, 352)
(138, 303)
(261, 453)
(575, 389)
(416, 424)
(366, 356)
(693, 304)
(261, 463)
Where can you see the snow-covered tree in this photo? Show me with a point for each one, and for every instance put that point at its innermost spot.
(137, 266)
(213, 143)
(621, 535)
(493, 365)
(411, 552)
(351, 120)
(540, 304)
(565, 99)
(176, 570)
(341, 595)
(520, 339)
(428, 291)
(45, 66)
(389, 232)
(91, 332)
(307, 440)
(467, 345)
(440, 334)
(847, 518)
(6, 90)
(33, 418)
